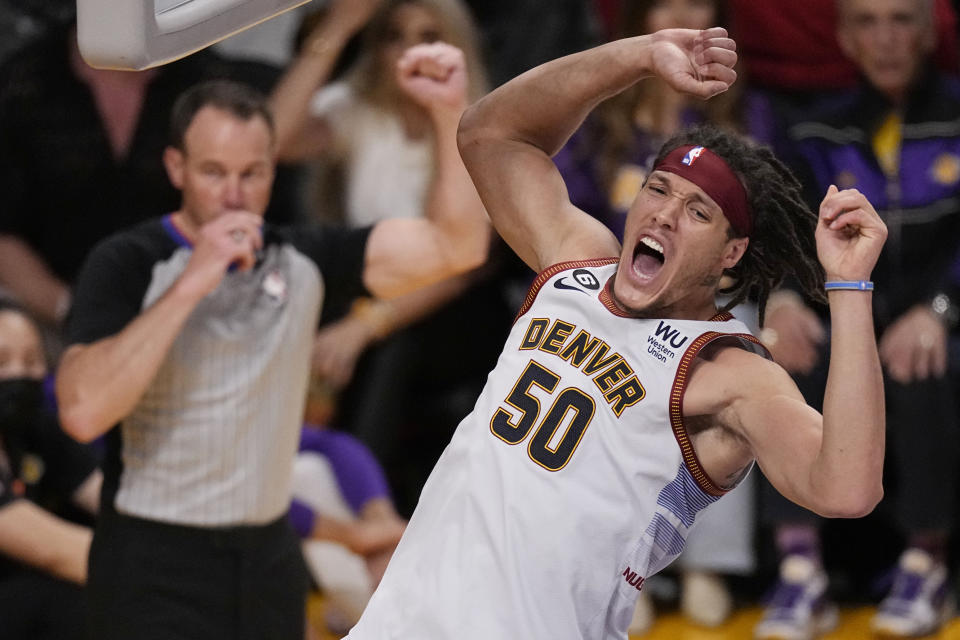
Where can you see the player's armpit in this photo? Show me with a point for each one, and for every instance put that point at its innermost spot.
(756, 399)
(785, 435)
(817, 469)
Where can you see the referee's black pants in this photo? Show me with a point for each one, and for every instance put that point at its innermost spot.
(155, 581)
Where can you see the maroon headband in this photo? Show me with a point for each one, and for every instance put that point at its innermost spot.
(711, 173)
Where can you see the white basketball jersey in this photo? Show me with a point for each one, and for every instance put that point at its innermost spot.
(570, 483)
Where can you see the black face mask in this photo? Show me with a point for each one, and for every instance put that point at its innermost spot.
(21, 400)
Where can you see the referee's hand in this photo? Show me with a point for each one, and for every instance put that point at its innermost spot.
(232, 238)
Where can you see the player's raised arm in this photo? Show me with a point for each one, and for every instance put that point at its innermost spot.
(507, 138)
(831, 465)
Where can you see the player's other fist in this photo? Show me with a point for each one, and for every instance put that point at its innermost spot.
(850, 235)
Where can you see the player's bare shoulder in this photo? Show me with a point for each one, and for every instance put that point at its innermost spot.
(722, 378)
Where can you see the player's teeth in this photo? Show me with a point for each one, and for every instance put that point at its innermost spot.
(653, 244)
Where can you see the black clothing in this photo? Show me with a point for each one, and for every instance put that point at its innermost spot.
(48, 468)
(37, 606)
(919, 202)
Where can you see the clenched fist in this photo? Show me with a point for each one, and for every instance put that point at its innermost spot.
(435, 76)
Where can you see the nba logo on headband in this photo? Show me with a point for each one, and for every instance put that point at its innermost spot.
(716, 178)
(692, 156)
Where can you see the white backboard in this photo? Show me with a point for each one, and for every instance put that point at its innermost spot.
(138, 34)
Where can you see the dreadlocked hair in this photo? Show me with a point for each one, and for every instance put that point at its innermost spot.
(782, 241)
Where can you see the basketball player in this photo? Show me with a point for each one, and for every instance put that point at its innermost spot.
(624, 401)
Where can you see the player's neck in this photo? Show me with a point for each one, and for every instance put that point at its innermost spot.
(702, 312)
(693, 307)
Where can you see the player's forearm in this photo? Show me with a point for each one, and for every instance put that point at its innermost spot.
(850, 464)
(100, 383)
(545, 105)
(24, 274)
(453, 204)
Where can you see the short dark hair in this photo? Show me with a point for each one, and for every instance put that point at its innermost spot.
(236, 98)
(782, 241)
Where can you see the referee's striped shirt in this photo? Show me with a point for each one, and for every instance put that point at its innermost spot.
(211, 443)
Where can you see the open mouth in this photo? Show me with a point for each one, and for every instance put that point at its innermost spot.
(647, 258)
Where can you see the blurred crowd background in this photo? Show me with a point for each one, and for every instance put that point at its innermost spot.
(853, 93)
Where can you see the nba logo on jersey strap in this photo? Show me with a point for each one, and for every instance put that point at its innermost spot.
(692, 156)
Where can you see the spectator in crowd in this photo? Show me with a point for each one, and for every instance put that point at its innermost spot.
(789, 48)
(368, 119)
(43, 556)
(193, 330)
(897, 140)
(78, 145)
(343, 511)
(365, 129)
(604, 165)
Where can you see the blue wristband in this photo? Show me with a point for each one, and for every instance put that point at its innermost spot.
(848, 285)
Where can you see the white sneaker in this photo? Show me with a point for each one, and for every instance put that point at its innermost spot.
(705, 599)
(799, 609)
(918, 603)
